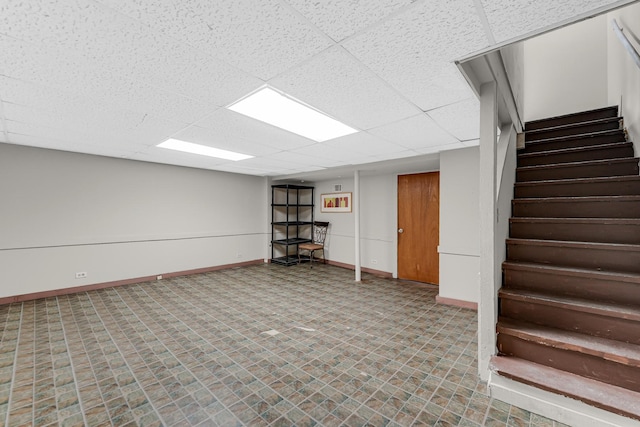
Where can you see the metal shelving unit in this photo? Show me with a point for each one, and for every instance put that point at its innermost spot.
(291, 221)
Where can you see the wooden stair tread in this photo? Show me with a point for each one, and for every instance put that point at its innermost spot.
(573, 271)
(603, 221)
(568, 244)
(570, 126)
(612, 350)
(596, 134)
(579, 164)
(564, 199)
(609, 397)
(607, 179)
(532, 124)
(576, 304)
(574, 149)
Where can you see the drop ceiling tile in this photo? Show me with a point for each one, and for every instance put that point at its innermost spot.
(509, 19)
(419, 131)
(262, 38)
(341, 19)
(41, 142)
(364, 143)
(241, 169)
(335, 83)
(96, 123)
(228, 124)
(53, 144)
(439, 148)
(270, 163)
(326, 156)
(163, 155)
(67, 73)
(462, 119)
(230, 142)
(429, 35)
(294, 159)
(123, 46)
(396, 155)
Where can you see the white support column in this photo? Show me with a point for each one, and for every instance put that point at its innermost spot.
(356, 215)
(489, 279)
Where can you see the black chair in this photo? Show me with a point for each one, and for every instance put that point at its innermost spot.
(319, 236)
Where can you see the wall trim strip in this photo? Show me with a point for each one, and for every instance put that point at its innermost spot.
(96, 286)
(379, 273)
(457, 302)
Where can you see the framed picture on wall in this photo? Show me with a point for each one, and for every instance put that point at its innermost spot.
(336, 202)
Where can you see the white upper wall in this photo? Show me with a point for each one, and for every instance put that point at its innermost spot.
(566, 70)
(116, 219)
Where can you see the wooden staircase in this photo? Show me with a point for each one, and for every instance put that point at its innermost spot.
(569, 307)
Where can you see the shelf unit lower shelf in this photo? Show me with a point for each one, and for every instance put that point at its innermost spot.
(289, 260)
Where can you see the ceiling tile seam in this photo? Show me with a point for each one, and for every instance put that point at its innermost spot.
(485, 22)
(410, 117)
(182, 42)
(381, 80)
(439, 125)
(307, 21)
(382, 21)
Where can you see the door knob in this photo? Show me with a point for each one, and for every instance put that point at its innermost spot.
(400, 230)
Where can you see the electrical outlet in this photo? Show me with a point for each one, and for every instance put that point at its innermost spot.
(81, 275)
(374, 261)
(239, 255)
(159, 277)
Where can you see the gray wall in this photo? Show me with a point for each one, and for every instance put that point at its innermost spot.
(115, 219)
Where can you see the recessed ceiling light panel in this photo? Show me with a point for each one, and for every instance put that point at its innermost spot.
(275, 108)
(203, 150)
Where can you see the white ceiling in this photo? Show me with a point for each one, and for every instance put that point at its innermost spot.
(118, 77)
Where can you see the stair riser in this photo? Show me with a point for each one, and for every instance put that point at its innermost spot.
(534, 147)
(596, 258)
(553, 283)
(604, 113)
(582, 171)
(577, 209)
(571, 320)
(620, 188)
(613, 152)
(570, 361)
(556, 133)
(577, 232)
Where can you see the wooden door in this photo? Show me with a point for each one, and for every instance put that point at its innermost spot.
(419, 227)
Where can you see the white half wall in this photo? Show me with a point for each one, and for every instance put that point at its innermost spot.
(459, 224)
(624, 74)
(566, 70)
(115, 219)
